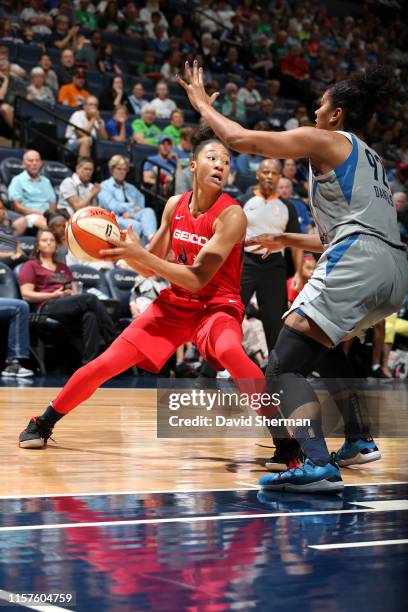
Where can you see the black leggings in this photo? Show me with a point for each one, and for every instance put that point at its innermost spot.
(271, 294)
(86, 314)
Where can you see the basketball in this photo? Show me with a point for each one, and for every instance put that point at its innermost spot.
(87, 232)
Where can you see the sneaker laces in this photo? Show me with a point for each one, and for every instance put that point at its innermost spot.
(45, 430)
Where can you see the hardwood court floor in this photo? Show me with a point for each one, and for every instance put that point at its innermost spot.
(109, 445)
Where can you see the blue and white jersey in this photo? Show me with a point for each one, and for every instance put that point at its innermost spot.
(354, 198)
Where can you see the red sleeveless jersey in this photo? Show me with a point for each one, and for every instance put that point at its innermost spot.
(188, 236)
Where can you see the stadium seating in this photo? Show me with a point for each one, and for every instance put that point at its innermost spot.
(120, 283)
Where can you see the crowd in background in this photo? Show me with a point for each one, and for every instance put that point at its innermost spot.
(114, 64)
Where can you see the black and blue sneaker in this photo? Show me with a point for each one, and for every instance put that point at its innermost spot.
(308, 478)
(357, 452)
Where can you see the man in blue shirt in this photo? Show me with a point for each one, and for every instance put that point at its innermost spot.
(285, 190)
(31, 193)
(127, 202)
(167, 159)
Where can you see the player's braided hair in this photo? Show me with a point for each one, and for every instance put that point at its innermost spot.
(361, 95)
(202, 136)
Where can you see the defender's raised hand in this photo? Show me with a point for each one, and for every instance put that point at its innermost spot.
(194, 86)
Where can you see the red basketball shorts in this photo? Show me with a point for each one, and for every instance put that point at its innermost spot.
(171, 321)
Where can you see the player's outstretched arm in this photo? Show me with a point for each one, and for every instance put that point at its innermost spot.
(274, 242)
(229, 229)
(321, 146)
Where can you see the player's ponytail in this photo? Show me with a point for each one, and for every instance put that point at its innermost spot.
(202, 136)
(362, 95)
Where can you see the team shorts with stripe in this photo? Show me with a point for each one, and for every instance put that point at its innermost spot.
(171, 321)
(357, 282)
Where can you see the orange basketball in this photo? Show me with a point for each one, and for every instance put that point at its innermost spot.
(87, 231)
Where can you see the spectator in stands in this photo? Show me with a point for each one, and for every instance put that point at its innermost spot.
(16, 312)
(106, 60)
(285, 190)
(274, 90)
(38, 91)
(267, 113)
(249, 95)
(156, 21)
(400, 183)
(31, 193)
(89, 126)
(66, 69)
(11, 252)
(57, 222)
(77, 191)
(66, 8)
(267, 277)
(50, 77)
(113, 95)
(133, 25)
(183, 149)
(10, 88)
(167, 159)
(152, 6)
(15, 69)
(136, 101)
(214, 62)
(112, 18)
(280, 47)
(174, 129)
(144, 130)
(206, 40)
(144, 292)
(88, 53)
(127, 202)
(119, 127)
(63, 36)
(37, 17)
(386, 149)
(248, 163)
(207, 17)
(149, 69)
(401, 206)
(159, 42)
(85, 16)
(162, 104)
(51, 287)
(74, 94)
(290, 171)
(308, 267)
(296, 71)
(231, 67)
(9, 10)
(230, 105)
(262, 59)
(171, 67)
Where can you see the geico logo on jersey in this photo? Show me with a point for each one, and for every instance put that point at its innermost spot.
(188, 237)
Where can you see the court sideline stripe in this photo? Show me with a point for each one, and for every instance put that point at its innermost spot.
(246, 488)
(185, 519)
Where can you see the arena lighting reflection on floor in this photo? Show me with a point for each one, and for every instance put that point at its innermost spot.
(211, 551)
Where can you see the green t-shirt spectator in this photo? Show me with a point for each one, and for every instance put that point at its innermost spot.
(174, 133)
(85, 19)
(148, 68)
(150, 132)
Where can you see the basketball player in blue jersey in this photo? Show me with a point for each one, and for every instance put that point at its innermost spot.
(361, 277)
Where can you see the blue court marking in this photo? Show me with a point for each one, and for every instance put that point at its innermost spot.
(209, 565)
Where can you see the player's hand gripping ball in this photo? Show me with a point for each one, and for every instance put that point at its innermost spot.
(88, 231)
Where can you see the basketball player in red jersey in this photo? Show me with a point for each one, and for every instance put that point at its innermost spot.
(204, 228)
